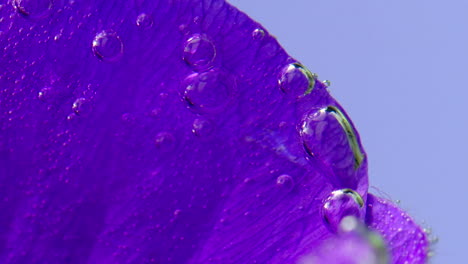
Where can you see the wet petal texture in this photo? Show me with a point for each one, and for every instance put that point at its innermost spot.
(164, 132)
(407, 242)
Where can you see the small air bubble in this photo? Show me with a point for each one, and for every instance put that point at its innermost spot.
(108, 46)
(202, 127)
(165, 141)
(208, 91)
(285, 181)
(144, 21)
(45, 94)
(258, 34)
(199, 52)
(81, 106)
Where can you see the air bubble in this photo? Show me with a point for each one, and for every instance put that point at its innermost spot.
(340, 204)
(258, 34)
(82, 106)
(285, 181)
(34, 8)
(165, 141)
(107, 46)
(46, 94)
(199, 52)
(296, 79)
(144, 21)
(208, 91)
(202, 127)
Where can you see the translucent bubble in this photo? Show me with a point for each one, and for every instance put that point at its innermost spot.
(258, 34)
(285, 181)
(144, 21)
(296, 79)
(165, 141)
(34, 8)
(46, 94)
(199, 52)
(107, 46)
(208, 91)
(82, 106)
(202, 127)
(340, 204)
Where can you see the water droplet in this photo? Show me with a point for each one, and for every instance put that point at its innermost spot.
(82, 106)
(199, 52)
(34, 8)
(339, 204)
(144, 21)
(108, 46)
(208, 91)
(296, 79)
(258, 34)
(327, 83)
(285, 181)
(165, 141)
(326, 130)
(202, 127)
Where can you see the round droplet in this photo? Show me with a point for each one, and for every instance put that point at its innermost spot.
(199, 52)
(144, 21)
(340, 204)
(327, 83)
(108, 46)
(165, 142)
(258, 34)
(202, 127)
(297, 80)
(208, 91)
(285, 181)
(82, 106)
(33, 8)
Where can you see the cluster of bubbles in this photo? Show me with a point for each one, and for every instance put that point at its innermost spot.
(210, 89)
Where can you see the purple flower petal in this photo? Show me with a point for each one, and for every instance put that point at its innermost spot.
(407, 241)
(166, 132)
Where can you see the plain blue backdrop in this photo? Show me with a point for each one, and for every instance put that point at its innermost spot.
(400, 69)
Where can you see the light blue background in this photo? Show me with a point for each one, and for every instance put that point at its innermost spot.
(400, 69)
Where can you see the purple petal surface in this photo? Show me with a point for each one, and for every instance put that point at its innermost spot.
(164, 132)
(407, 241)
